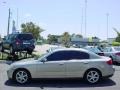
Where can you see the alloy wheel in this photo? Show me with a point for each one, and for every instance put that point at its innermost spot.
(21, 77)
(93, 76)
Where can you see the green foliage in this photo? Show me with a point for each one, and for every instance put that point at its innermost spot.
(115, 44)
(118, 35)
(52, 39)
(30, 27)
(80, 36)
(66, 39)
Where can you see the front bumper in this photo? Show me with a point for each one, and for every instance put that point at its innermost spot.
(10, 74)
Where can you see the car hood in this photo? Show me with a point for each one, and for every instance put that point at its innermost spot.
(24, 62)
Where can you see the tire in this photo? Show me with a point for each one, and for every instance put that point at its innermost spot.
(92, 76)
(1, 48)
(21, 76)
(11, 50)
(29, 51)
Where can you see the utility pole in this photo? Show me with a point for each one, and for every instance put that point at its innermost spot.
(85, 17)
(107, 15)
(8, 22)
(17, 18)
(82, 22)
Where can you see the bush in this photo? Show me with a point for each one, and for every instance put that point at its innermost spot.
(115, 44)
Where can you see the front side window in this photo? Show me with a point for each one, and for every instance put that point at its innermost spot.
(58, 56)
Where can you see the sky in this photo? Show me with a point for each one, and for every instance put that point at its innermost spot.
(59, 16)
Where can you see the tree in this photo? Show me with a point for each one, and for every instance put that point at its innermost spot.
(115, 44)
(79, 35)
(52, 39)
(118, 35)
(30, 27)
(66, 38)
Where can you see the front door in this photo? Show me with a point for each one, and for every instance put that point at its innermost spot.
(54, 67)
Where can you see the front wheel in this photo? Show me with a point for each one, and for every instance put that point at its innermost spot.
(1, 48)
(29, 51)
(21, 76)
(92, 76)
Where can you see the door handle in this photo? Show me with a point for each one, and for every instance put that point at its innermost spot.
(61, 63)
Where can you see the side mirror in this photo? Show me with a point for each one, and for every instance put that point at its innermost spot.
(44, 60)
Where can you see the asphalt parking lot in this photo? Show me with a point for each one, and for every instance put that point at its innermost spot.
(108, 84)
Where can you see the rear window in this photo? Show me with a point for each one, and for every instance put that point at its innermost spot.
(25, 36)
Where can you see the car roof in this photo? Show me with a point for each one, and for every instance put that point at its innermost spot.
(71, 49)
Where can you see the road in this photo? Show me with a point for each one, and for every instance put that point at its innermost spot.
(109, 84)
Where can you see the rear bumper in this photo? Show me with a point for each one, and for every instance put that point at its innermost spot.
(22, 47)
(111, 73)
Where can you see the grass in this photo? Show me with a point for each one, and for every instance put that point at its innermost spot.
(4, 56)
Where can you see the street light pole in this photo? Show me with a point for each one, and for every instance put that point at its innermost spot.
(8, 22)
(107, 15)
(85, 17)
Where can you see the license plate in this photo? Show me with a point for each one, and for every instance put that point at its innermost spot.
(26, 43)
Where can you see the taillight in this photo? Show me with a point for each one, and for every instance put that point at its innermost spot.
(18, 41)
(118, 54)
(101, 54)
(109, 62)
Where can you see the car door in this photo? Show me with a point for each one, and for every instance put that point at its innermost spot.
(6, 42)
(54, 67)
(77, 63)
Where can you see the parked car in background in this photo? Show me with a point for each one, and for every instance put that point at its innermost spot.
(112, 52)
(94, 49)
(18, 42)
(63, 63)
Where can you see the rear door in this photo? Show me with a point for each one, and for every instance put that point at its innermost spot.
(8, 41)
(77, 63)
(26, 39)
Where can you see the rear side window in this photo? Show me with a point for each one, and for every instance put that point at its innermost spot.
(78, 55)
(11, 37)
(25, 36)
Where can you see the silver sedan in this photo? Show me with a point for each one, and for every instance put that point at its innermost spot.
(63, 63)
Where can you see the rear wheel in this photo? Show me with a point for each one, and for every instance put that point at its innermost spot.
(92, 76)
(1, 48)
(11, 50)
